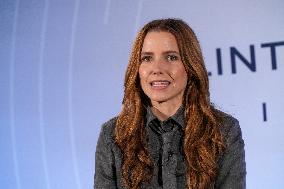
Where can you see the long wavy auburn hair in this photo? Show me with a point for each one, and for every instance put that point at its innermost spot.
(202, 142)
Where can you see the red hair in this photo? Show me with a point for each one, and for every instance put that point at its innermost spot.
(202, 142)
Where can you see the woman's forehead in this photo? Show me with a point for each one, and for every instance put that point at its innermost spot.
(159, 40)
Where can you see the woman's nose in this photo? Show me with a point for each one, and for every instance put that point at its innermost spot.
(158, 67)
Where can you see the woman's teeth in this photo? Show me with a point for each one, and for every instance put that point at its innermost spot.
(160, 83)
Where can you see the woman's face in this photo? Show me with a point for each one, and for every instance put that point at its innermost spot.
(162, 74)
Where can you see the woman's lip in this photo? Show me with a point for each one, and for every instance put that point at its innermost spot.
(160, 84)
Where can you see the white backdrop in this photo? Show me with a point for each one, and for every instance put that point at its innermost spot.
(62, 67)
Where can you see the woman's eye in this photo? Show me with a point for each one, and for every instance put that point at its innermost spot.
(172, 57)
(146, 59)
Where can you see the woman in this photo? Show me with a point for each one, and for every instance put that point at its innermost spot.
(168, 135)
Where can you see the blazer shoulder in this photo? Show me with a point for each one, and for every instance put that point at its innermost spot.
(232, 166)
(229, 126)
(107, 130)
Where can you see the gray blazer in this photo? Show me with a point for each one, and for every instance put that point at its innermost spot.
(232, 166)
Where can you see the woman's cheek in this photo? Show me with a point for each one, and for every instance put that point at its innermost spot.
(143, 74)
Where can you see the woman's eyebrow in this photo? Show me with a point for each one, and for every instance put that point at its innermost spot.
(168, 52)
(147, 53)
(165, 52)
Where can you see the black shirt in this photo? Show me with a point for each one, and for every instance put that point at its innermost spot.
(165, 139)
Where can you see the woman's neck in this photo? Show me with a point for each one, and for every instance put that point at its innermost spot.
(164, 110)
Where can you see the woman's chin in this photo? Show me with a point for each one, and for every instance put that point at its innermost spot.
(159, 100)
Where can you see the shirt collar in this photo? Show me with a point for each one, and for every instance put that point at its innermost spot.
(177, 117)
